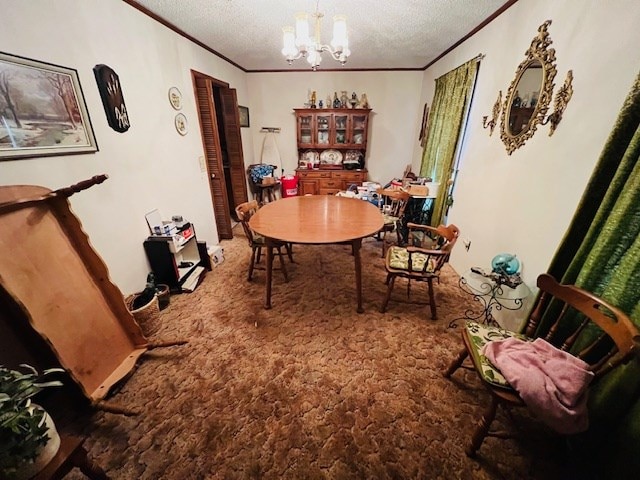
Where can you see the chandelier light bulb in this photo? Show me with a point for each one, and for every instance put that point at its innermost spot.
(302, 31)
(289, 49)
(339, 41)
(314, 58)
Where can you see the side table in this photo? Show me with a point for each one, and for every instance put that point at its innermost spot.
(491, 291)
(71, 454)
(266, 193)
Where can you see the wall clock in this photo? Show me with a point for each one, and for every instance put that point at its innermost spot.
(112, 98)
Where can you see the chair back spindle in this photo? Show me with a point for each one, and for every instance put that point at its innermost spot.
(586, 326)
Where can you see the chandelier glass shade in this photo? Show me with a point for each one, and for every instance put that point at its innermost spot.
(297, 43)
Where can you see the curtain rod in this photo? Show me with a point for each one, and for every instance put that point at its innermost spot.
(477, 58)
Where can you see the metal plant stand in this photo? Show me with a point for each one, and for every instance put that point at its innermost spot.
(492, 291)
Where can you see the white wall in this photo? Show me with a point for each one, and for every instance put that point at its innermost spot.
(151, 165)
(393, 128)
(523, 203)
(520, 203)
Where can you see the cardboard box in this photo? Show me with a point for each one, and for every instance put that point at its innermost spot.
(434, 187)
(216, 253)
(418, 190)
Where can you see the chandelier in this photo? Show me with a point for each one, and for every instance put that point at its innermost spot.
(298, 43)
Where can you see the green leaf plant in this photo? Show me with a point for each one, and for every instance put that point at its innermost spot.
(22, 424)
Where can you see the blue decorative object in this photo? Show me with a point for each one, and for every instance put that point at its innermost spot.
(505, 264)
(259, 171)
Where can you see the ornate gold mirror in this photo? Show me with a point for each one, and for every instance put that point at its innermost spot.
(529, 95)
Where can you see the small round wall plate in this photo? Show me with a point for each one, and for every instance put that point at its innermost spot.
(181, 124)
(175, 97)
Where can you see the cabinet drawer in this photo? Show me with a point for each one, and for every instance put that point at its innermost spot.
(329, 191)
(313, 175)
(324, 183)
(350, 176)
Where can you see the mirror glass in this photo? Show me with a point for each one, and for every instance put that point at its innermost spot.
(524, 98)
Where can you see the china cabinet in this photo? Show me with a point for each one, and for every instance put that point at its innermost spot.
(332, 144)
(332, 128)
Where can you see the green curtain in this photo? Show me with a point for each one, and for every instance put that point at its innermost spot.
(448, 109)
(601, 253)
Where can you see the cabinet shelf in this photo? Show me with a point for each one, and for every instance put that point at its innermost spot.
(332, 128)
(166, 254)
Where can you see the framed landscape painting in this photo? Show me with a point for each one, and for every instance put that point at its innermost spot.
(244, 116)
(42, 110)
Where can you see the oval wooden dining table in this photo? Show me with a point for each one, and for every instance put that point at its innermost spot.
(317, 220)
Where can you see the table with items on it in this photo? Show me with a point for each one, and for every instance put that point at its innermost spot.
(495, 290)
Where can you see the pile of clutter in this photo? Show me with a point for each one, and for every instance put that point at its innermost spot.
(368, 192)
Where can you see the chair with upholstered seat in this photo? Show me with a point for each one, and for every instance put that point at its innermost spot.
(569, 318)
(392, 206)
(244, 211)
(428, 251)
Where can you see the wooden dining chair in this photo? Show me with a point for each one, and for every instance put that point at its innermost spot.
(580, 323)
(257, 242)
(421, 260)
(392, 206)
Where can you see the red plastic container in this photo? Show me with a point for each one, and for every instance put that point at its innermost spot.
(289, 186)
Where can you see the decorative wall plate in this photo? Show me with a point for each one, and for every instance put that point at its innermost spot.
(352, 156)
(175, 98)
(309, 157)
(181, 124)
(331, 157)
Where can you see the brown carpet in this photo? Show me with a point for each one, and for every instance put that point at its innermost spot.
(315, 391)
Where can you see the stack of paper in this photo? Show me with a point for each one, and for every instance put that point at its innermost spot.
(191, 282)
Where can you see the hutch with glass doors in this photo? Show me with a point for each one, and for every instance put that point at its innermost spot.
(332, 145)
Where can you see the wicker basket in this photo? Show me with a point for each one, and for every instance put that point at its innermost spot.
(148, 316)
(164, 296)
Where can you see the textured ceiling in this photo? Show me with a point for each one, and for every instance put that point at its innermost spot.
(383, 34)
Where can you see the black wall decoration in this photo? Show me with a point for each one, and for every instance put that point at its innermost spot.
(112, 98)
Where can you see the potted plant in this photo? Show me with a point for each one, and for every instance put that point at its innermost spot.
(28, 438)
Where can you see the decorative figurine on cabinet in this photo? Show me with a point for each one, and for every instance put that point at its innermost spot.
(354, 100)
(344, 100)
(364, 101)
(336, 100)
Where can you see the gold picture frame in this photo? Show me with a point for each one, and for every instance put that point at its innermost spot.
(43, 110)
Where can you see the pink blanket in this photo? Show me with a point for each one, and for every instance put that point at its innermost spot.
(552, 383)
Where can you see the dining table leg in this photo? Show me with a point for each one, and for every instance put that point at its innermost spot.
(267, 297)
(357, 243)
